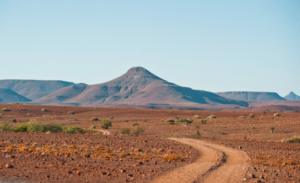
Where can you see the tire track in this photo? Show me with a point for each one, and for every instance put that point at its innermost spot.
(216, 164)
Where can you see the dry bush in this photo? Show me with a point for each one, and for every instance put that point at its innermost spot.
(73, 130)
(171, 157)
(106, 124)
(272, 129)
(137, 131)
(294, 139)
(171, 121)
(125, 131)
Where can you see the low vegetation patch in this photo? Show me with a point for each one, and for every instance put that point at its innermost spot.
(184, 121)
(125, 131)
(169, 157)
(136, 131)
(73, 130)
(39, 128)
(106, 123)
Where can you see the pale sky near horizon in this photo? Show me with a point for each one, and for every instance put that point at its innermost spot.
(213, 45)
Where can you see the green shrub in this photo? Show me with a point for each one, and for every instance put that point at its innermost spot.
(73, 130)
(20, 127)
(184, 121)
(125, 131)
(34, 127)
(5, 127)
(106, 124)
(137, 131)
(53, 128)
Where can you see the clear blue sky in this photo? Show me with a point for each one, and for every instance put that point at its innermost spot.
(212, 45)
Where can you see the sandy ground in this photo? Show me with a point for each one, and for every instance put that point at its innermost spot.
(256, 132)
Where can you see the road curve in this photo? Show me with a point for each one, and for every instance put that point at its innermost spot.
(216, 164)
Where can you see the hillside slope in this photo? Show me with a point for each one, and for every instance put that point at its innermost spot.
(9, 96)
(33, 89)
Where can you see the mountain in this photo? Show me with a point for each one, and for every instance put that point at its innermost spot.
(252, 96)
(9, 96)
(33, 89)
(292, 96)
(136, 87)
(62, 95)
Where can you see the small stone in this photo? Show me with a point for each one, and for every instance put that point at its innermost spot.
(8, 165)
(71, 112)
(5, 109)
(44, 110)
(122, 170)
(251, 175)
(94, 119)
(78, 172)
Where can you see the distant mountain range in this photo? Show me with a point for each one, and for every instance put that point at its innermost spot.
(292, 97)
(252, 96)
(137, 87)
(33, 89)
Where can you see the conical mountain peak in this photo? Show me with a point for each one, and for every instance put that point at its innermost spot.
(140, 72)
(292, 96)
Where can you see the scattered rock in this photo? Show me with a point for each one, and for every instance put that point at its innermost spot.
(9, 166)
(122, 170)
(44, 110)
(211, 117)
(78, 172)
(71, 112)
(251, 115)
(95, 119)
(5, 109)
(196, 117)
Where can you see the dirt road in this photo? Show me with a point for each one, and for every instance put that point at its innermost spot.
(216, 164)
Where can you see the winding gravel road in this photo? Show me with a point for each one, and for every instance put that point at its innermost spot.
(216, 164)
